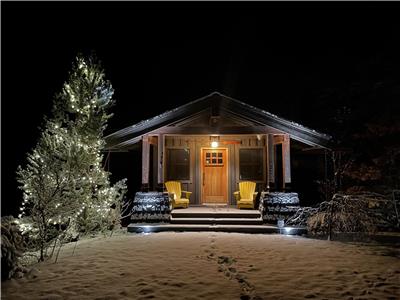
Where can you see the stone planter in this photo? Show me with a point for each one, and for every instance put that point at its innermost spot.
(276, 206)
(151, 207)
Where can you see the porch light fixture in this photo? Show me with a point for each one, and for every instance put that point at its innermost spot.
(214, 141)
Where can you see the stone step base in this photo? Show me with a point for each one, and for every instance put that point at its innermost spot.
(267, 229)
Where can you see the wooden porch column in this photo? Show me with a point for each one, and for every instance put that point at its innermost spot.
(160, 148)
(266, 161)
(286, 159)
(145, 162)
(271, 161)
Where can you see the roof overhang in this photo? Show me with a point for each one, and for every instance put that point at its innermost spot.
(263, 123)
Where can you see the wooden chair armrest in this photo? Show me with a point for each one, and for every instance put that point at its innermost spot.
(187, 196)
(255, 196)
(237, 195)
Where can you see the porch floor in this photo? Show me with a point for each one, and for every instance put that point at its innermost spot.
(227, 211)
(216, 215)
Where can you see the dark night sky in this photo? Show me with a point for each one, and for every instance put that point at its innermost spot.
(278, 56)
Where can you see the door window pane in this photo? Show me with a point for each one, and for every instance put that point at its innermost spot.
(251, 164)
(214, 158)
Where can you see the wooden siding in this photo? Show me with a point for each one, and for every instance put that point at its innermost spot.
(233, 143)
(196, 143)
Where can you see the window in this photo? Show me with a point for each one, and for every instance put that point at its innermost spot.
(251, 164)
(178, 164)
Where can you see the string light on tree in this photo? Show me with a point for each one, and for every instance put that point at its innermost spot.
(61, 179)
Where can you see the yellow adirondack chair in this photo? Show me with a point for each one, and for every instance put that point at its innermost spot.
(174, 187)
(246, 196)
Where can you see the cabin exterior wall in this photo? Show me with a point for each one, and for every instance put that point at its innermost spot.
(195, 143)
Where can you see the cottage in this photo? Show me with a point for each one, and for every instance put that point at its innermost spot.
(213, 143)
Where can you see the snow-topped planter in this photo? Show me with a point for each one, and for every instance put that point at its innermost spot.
(151, 207)
(278, 206)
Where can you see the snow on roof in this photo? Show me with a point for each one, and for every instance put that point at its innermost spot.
(267, 113)
(239, 107)
(143, 123)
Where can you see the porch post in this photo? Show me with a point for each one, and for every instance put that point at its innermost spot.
(286, 160)
(266, 162)
(271, 161)
(161, 143)
(145, 162)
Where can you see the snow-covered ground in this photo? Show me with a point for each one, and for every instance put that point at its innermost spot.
(208, 265)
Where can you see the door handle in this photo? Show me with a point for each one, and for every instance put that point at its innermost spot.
(204, 178)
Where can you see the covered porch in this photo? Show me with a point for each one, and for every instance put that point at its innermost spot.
(211, 166)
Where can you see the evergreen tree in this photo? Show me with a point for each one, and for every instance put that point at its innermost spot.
(64, 182)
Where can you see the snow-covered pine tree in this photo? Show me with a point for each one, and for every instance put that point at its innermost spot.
(83, 107)
(64, 181)
(50, 191)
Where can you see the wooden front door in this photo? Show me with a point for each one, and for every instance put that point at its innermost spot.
(214, 170)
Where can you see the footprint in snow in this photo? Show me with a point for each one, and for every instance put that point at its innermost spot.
(227, 266)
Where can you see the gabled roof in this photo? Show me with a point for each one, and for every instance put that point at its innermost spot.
(217, 102)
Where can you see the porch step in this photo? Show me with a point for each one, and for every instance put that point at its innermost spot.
(232, 220)
(266, 229)
(215, 215)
